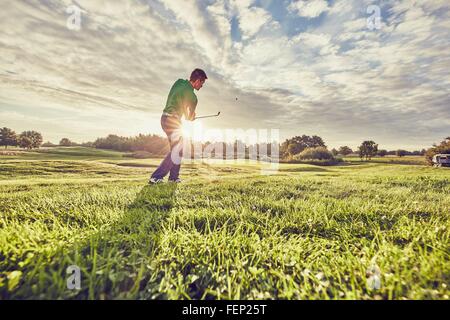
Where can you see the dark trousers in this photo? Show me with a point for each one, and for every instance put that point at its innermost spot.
(172, 161)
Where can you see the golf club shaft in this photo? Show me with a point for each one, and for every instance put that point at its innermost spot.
(203, 117)
(211, 116)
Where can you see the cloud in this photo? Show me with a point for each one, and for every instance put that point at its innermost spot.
(251, 21)
(309, 9)
(321, 42)
(330, 76)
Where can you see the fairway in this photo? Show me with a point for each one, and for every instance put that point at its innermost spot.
(226, 232)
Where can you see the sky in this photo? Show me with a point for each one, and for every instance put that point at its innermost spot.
(318, 67)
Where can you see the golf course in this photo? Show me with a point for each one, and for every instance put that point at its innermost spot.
(357, 230)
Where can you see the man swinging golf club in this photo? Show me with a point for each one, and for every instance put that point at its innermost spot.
(181, 101)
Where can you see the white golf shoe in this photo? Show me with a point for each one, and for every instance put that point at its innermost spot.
(155, 181)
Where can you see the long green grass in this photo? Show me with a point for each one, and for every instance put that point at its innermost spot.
(227, 232)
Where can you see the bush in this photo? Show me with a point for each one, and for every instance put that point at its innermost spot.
(319, 153)
(297, 144)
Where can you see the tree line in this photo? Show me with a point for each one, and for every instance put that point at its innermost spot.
(150, 143)
(27, 139)
(298, 148)
(313, 147)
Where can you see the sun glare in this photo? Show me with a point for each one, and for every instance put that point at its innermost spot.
(191, 130)
(186, 132)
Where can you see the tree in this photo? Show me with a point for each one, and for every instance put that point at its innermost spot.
(65, 142)
(368, 149)
(25, 142)
(7, 137)
(401, 153)
(297, 144)
(334, 152)
(345, 150)
(382, 152)
(30, 139)
(292, 149)
(36, 138)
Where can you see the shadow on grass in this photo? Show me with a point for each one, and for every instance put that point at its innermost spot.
(114, 261)
(118, 262)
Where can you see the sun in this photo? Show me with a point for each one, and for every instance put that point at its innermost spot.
(187, 129)
(192, 130)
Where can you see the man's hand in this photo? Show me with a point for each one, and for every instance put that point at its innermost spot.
(191, 115)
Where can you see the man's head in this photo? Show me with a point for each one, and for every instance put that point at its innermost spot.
(198, 78)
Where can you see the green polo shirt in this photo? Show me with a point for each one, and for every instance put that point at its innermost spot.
(181, 97)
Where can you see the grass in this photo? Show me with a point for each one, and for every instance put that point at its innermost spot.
(61, 153)
(228, 232)
(409, 160)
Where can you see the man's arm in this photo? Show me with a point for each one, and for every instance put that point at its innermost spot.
(190, 113)
(190, 106)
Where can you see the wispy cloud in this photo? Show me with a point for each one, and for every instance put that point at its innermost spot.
(309, 8)
(301, 66)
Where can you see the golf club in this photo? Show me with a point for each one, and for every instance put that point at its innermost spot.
(211, 116)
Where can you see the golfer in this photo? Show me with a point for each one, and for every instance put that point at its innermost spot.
(182, 101)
